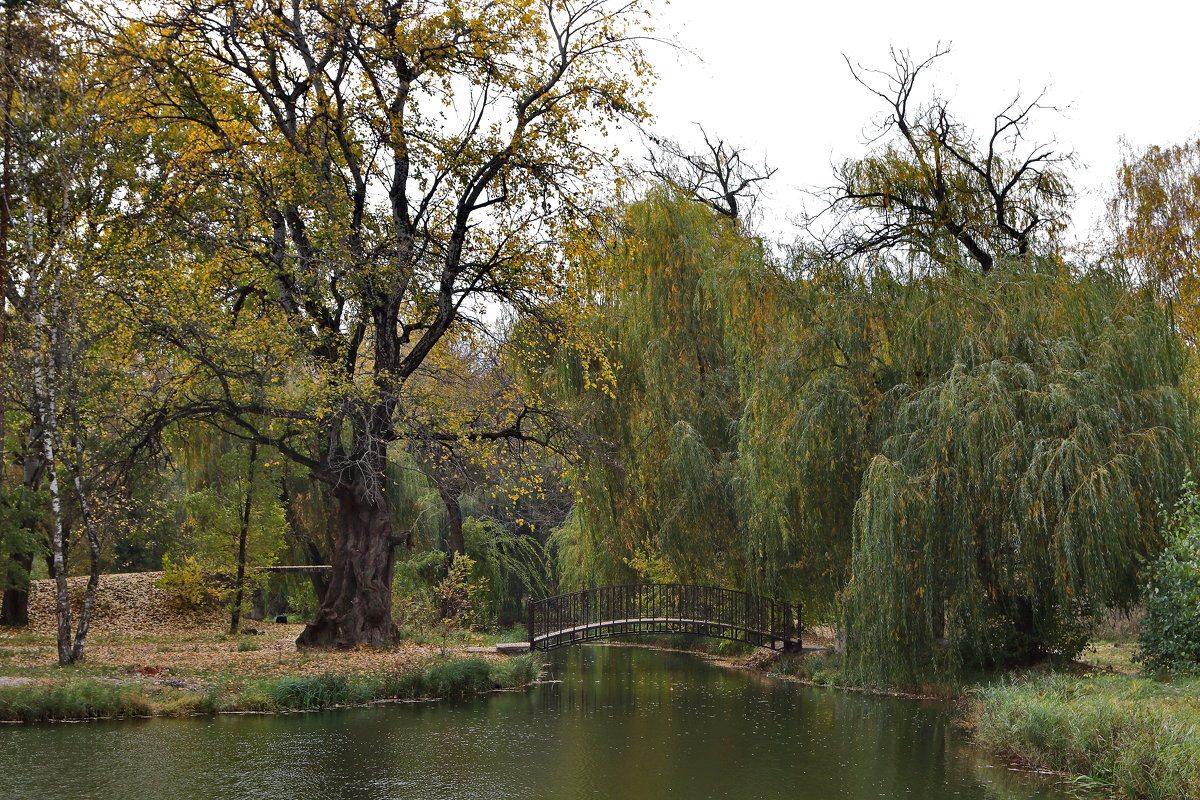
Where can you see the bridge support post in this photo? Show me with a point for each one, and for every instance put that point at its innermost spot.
(529, 624)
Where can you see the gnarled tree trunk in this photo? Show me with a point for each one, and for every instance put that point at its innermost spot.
(357, 607)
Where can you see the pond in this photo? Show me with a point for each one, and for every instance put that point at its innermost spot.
(624, 723)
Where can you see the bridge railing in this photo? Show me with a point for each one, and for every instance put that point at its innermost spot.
(642, 608)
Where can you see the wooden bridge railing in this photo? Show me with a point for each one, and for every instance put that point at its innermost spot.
(643, 608)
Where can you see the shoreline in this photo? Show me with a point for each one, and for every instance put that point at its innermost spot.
(190, 669)
(1105, 730)
(1105, 733)
(88, 698)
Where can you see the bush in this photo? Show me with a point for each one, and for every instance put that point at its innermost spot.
(462, 595)
(187, 587)
(448, 679)
(823, 669)
(1170, 629)
(404, 686)
(415, 601)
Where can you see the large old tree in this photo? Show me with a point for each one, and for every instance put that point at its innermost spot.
(355, 180)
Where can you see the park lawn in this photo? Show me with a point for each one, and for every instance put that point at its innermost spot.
(1111, 657)
(203, 670)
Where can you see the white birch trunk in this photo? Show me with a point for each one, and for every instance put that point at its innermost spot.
(93, 540)
(43, 390)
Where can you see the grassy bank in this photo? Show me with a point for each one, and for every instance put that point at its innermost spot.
(1131, 735)
(1138, 736)
(83, 697)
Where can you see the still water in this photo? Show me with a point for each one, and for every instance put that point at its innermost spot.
(624, 723)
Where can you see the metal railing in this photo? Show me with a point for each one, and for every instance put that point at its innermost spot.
(657, 608)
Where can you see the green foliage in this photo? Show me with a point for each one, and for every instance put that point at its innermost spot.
(825, 669)
(514, 672)
(671, 288)
(187, 586)
(585, 550)
(212, 494)
(1138, 736)
(959, 468)
(460, 592)
(247, 646)
(446, 679)
(20, 511)
(285, 593)
(89, 698)
(458, 678)
(507, 565)
(467, 676)
(1170, 629)
(1030, 424)
(78, 699)
(319, 691)
(413, 586)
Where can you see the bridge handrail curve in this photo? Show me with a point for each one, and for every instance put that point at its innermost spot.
(636, 608)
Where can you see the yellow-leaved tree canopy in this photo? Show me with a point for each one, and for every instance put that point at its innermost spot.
(350, 182)
(1155, 214)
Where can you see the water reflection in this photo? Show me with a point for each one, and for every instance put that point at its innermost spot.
(623, 723)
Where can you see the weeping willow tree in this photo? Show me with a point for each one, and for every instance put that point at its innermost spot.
(1023, 429)
(654, 494)
(961, 469)
(224, 489)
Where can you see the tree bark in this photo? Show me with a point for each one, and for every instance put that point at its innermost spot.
(93, 541)
(44, 401)
(235, 614)
(5, 225)
(456, 544)
(357, 608)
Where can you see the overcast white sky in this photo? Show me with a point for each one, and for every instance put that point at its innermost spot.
(769, 74)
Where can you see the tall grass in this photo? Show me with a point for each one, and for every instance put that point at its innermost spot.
(446, 679)
(1139, 736)
(88, 698)
(321, 691)
(80, 699)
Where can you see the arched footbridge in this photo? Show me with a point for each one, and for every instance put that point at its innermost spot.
(644, 608)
